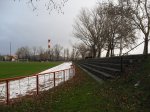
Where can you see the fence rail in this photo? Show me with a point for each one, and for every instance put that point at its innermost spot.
(14, 88)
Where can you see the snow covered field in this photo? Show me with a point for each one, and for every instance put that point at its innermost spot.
(28, 85)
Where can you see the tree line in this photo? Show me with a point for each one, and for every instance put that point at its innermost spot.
(112, 26)
(41, 54)
(55, 53)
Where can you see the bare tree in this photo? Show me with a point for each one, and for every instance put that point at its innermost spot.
(51, 54)
(43, 54)
(105, 27)
(82, 49)
(57, 51)
(75, 53)
(117, 31)
(1, 58)
(88, 29)
(126, 35)
(67, 53)
(34, 49)
(23, 53)
(49, 5)
(139, 14)
(100, 19)
(112, 22)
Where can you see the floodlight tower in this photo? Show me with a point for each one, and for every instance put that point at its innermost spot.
(49, 43)
(10, 48)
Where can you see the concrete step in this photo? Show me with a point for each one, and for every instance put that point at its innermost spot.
(106, 68)
(115, 61)
(118, 57)
(111, 65)
(98, 73)
(109, 70)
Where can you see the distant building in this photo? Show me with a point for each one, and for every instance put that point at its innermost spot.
(14, 58)
(10, 58)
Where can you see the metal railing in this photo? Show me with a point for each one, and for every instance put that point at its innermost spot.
(126, 53)
(14, 88)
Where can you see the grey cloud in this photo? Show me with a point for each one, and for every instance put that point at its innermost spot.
(22, 27)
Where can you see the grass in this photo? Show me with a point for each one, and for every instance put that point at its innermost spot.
(83, 94)
(14, 69)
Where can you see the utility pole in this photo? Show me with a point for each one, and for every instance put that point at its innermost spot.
(49, 48)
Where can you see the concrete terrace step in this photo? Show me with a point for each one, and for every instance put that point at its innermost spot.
(98, 73)
(111, 65)
(118, 57)
(109, 70)
(115, 61)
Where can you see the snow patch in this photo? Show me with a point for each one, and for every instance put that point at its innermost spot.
(28, 85)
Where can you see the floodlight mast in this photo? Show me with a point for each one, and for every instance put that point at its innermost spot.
(10, 48)
(49, 43)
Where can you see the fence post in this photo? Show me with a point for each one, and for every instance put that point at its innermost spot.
(7, 91)
(73, 69)
(121, 64)
(69, 72)
(64, 75)
(37, 84)
(54, 79)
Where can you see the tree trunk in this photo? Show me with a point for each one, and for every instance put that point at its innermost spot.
(108, 52)
(145, 52)
(99, 52)
(93, 51)
(83, 56)
(112, 46)
(120, 47)
(111, 52)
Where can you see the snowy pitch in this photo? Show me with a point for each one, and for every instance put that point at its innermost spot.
(27, 86)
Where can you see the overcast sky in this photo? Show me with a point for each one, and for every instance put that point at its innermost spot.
(22, 26)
